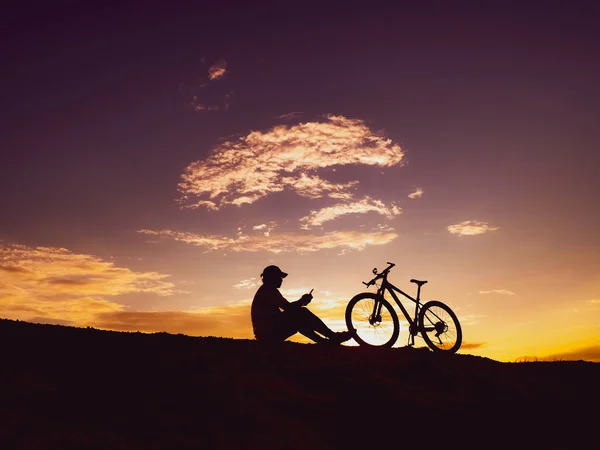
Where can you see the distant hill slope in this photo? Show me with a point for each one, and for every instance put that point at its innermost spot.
(63, 388)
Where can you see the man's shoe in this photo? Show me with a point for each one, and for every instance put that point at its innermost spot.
(340, 336)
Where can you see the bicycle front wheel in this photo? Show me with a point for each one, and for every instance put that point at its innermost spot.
(369, 324)
(440, 327)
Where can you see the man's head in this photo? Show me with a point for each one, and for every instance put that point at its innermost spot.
(273, 276)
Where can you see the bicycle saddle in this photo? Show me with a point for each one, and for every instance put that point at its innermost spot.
(420, 283)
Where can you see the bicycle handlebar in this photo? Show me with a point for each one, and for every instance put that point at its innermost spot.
(380, 275)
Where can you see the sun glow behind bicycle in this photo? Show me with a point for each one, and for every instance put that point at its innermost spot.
(373, 329)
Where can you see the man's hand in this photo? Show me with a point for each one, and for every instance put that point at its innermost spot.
(306, 298)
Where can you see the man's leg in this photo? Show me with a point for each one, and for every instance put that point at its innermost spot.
(309, 325)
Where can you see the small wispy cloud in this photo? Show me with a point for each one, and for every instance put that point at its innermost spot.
(366, 205)
(473, 345)
(498, 291)
(217, 70)
(201, 95)
(285, 157)
(278, 243)
(290, 116)
(416, 194)
(594, 301)
(471, 228)
(265, 228)
(248, 283)
(221, 104)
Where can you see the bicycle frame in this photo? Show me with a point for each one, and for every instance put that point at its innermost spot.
(433, 320)
(414, 326)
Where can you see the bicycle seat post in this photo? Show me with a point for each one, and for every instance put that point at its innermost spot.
(419, 283)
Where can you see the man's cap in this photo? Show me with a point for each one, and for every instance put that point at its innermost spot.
(273, 271)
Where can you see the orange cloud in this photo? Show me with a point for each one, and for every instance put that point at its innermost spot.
(277, 243)
(245, 170)
(49, 282)
(50, 271)
(316, 218)
(472, 345)
(498, 291)
(80, 311)
(217, 70)
(471, 228)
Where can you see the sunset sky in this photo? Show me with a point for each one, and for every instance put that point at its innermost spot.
(156, 159)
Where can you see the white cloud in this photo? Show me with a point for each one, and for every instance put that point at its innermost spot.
(315, 187)
(278, 243)
(248, 283)
(316, 218)
(285, 157)
(265, 228)
(471, 228)
(498, 291)
(416, 194)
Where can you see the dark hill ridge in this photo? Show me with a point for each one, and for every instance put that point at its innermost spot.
(64, 387)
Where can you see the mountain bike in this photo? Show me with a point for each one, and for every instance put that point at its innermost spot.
(373, 321)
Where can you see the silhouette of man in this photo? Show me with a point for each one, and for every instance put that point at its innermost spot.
(275, 319)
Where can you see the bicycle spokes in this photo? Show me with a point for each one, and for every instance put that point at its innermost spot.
(372, 321)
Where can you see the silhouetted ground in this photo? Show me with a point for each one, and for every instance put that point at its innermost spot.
(71, 388)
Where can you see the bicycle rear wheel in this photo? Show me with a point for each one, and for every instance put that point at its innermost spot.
(367, 326)
(440, 327)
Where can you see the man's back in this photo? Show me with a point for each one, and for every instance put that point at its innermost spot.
(266, 310)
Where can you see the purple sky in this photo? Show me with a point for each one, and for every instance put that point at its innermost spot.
(495, 109)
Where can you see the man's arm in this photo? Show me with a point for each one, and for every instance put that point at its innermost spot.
(280, 300)
(304, 300)
(284, 304)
